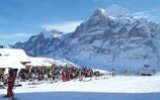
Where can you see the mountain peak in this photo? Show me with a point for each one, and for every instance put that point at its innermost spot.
(52, 33)
(99, 12)
(113, 10)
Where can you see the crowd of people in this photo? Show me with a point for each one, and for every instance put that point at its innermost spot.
(56, 73)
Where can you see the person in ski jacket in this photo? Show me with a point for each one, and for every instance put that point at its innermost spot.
(10, 82)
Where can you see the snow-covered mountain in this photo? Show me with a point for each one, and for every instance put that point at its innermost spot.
(110, 38)
(40, 44)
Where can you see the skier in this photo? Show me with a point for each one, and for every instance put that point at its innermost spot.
(10, 82)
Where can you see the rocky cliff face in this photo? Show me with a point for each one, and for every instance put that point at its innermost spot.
(39, 44)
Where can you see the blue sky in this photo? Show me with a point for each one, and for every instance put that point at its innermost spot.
(19, 19)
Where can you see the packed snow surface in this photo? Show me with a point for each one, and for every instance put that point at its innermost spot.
(103, 87)
(117, 84)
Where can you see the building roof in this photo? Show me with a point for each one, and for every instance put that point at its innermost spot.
(47, 62)
(39, 62)
(17, 54)
(8, 62)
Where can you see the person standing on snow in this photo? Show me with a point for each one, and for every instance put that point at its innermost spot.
(10, 82)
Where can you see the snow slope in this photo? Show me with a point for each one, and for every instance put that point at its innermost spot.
(117, 84)
(110, 88)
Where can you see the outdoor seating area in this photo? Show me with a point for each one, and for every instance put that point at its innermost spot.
(35, 75)
(35, 69)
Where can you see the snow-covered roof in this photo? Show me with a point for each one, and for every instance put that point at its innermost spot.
(9, 62)
(17, 54)
(39, 62)
(47, 62)
(102, 71)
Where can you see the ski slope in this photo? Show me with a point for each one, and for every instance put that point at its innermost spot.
(104, 88)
